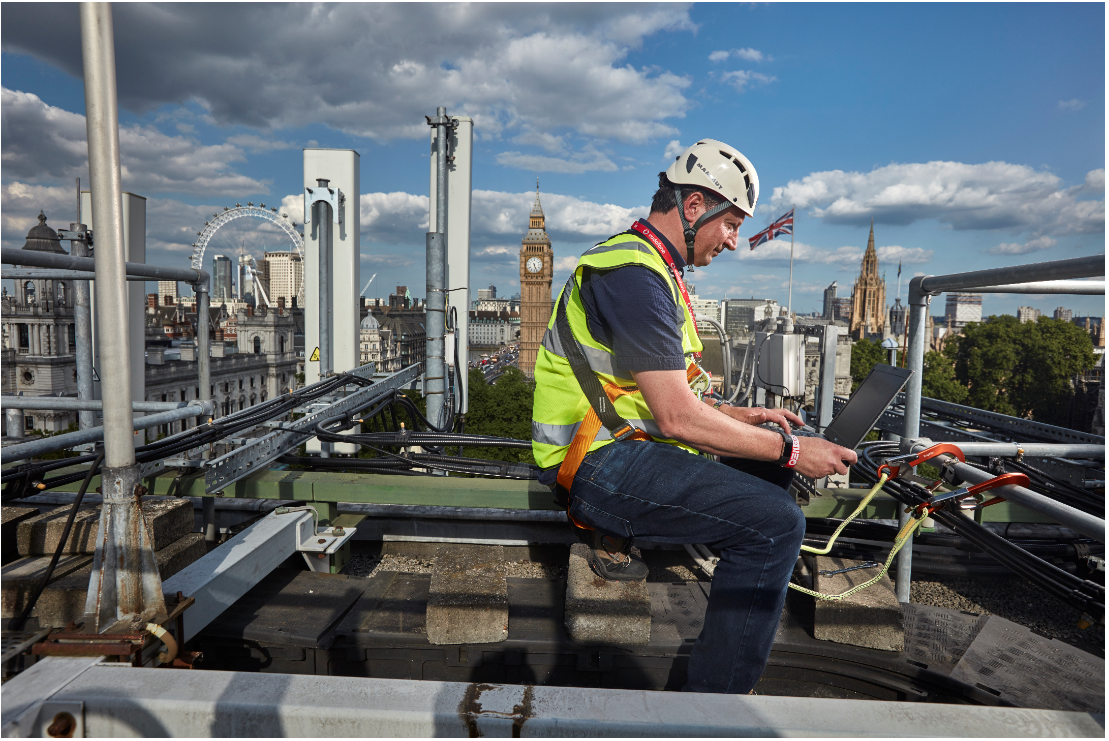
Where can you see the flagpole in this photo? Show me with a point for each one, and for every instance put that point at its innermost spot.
(789, 302)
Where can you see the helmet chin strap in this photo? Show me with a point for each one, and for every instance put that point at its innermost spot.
(690, 232)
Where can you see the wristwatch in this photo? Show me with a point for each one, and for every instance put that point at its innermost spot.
(791, 450)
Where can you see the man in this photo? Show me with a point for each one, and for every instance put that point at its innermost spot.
(620, 427)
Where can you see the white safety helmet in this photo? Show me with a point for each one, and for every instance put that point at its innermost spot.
(720, 168)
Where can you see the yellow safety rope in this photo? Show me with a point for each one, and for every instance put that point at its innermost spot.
(899, 541)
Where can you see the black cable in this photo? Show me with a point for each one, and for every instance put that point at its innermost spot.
(19, 621)
(1081, 594)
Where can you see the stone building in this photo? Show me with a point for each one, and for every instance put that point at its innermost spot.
(257, 365)
(378, 346)
(493, 328)
(38, 336)
(868, 300)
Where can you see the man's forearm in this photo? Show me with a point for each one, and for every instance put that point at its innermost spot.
(682, 417)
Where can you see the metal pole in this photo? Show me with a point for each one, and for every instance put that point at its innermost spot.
(125, 579)
(1028, 450)
(102, 121)
(324, 243)
(68, 403)
(82, 327)
(1077, 267)
(1072, 287)
(436, 300)
(49, 274)
(789, 301)
(204, 344)
(70, 262)
(917, 320)
(68, 440)
(13, 421)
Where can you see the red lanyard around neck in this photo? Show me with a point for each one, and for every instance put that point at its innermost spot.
(669, 259)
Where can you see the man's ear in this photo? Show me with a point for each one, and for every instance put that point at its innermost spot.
(695, 200)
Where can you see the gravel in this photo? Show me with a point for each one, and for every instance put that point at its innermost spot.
(1009, 597)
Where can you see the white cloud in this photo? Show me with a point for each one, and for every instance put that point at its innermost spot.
(1095, 181)
(549, 142)
(740, 79)
(1032, 245)
(42, 143)
(1074, 104)
(587, 160)
(909, 255)
(376, 69)
(777, 250)
(751, 55)
(253, 142)
(673, 149)
(991, 195)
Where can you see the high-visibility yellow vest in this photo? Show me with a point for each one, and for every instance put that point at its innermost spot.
(560, 405)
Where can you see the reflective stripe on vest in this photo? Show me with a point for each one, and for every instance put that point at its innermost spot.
(562, 435)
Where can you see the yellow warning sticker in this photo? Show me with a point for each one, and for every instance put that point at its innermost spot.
(315, 355)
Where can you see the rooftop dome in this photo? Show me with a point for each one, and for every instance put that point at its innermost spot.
(42, 238)
(370, 323)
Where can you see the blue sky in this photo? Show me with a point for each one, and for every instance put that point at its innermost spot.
(972, 134)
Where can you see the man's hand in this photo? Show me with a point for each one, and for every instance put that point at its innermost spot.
(822, 458)
(758, 416)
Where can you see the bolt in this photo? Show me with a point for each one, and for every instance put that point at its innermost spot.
(63, 726)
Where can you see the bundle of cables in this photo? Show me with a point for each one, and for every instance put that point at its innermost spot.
(1086, 596)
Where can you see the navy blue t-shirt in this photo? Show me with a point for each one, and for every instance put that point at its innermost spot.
(631, 311)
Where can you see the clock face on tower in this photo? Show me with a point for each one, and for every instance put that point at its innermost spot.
(534, 264)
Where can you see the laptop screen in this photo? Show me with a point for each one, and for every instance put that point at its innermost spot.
(866, 405)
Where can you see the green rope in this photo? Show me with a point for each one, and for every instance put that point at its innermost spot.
(902, 538)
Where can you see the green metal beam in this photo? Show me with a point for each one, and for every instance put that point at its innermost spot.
(372, 488)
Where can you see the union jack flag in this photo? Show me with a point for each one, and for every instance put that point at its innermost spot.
(784, 225)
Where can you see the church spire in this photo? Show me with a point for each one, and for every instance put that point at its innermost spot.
(870, 242)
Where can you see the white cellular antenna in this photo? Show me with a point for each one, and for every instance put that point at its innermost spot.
(371, 280)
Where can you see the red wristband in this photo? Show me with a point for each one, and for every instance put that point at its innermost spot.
(794, 454)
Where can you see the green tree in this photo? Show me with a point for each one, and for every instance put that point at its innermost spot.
(864, 356)
(1024, 370)
(502, 409)
(939, 381)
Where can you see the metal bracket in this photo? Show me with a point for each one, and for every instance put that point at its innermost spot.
(318, 547)
(331, 196)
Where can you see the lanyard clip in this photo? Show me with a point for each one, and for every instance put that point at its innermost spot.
(915, 459)
(1007, 479)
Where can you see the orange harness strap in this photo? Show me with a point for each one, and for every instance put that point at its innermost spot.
(587, 433)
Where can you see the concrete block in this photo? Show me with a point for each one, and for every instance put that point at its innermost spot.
(63, 600)
(19, 579)
(468, 602)
(167, 520)
(600, 612)
(870, 618)
(39, 535)
(9, 527)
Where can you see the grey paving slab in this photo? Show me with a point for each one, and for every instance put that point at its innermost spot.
(1032, 671)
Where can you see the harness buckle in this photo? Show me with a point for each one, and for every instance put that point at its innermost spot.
(624, 432)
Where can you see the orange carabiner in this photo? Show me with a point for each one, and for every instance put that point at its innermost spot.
(1006, 479)
(915, 459)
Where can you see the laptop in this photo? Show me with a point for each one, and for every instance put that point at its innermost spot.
(863, 409)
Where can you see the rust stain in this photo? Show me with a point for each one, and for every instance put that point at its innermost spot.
(470, 708)
(522, 712)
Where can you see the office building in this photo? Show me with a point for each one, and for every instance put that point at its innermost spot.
(962, 308)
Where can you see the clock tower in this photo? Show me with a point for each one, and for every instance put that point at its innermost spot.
(536, 273)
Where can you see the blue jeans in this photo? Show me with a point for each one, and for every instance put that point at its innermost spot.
(661, 493)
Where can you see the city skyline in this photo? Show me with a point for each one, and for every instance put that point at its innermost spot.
(856, 118)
